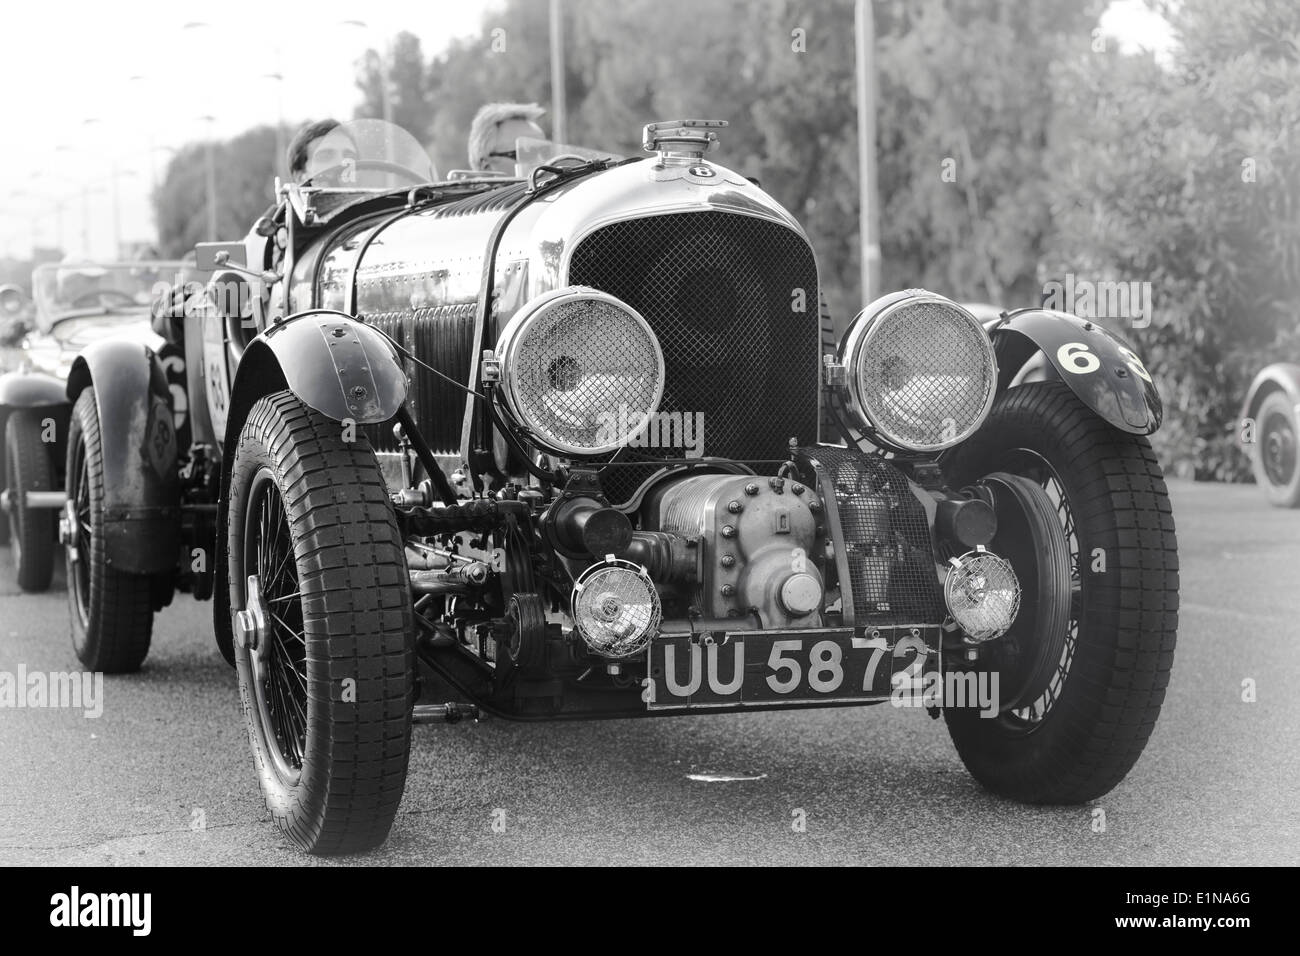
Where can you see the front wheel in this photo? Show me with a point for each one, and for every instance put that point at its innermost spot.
(28, 468)
(1086, 730)
(1276, 464)
(323, 623)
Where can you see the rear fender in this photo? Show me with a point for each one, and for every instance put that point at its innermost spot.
(141, 483)
(1098, 366)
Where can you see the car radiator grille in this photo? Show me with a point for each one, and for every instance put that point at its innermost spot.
(443, 337)
(734, 302)
(886, 539)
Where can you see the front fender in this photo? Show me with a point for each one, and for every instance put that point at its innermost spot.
(323, 357)
(1100, 368)
(340, 367)
(138, 438)
(1278, 377)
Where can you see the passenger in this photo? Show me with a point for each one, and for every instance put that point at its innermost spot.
(493, 133)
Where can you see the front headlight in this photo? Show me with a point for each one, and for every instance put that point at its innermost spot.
(581, 370)
(921, 371)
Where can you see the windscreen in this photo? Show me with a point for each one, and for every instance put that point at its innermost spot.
(70, 289)
(531, 153)
(368, 154)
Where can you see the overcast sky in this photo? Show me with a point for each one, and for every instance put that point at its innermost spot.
(87, 85)
(143, 79)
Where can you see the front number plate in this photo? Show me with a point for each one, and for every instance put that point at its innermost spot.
(801, 667)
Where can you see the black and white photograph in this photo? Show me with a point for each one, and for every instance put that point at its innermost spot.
(663, 433)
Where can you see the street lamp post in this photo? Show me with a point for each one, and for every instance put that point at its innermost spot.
(210, 179)
(559, 113)
(85, 207)
(149, 142)
(32, 220)
(868, 211)
(48, 202)
(58, 224)
(385, 96)
(85, 198)
(209, 161)
(384, 52)
(280, 145)
(85, 220)
(116, 175)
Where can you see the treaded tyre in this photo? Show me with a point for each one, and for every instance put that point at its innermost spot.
(1274, 453)
(1086, 731)
(324, 648)
(28, 468)
(4, 519)
(111, 611)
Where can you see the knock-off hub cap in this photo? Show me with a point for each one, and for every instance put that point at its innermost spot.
(250, 623)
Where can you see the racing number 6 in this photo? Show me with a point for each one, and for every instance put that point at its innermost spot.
(1075, 357)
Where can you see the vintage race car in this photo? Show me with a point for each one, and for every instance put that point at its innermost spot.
(1270, 419)
(74, 304)
(583, 444)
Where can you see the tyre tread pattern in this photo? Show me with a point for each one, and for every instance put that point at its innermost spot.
(1124, 654)
(358, 618)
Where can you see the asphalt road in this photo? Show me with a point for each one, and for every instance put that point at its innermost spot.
(1219, 782)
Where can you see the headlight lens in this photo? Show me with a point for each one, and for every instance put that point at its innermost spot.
(921, 371)
(582, 370)
(616, 608)
(983, 594)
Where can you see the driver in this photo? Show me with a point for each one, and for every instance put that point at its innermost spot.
(493, 133)
(318, 147)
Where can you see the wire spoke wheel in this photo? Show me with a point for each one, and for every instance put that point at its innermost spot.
(78, 568)
(1035, 467)
(280, 667)
(323, 626)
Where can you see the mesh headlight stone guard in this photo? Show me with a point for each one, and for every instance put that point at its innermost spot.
(581, 370)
